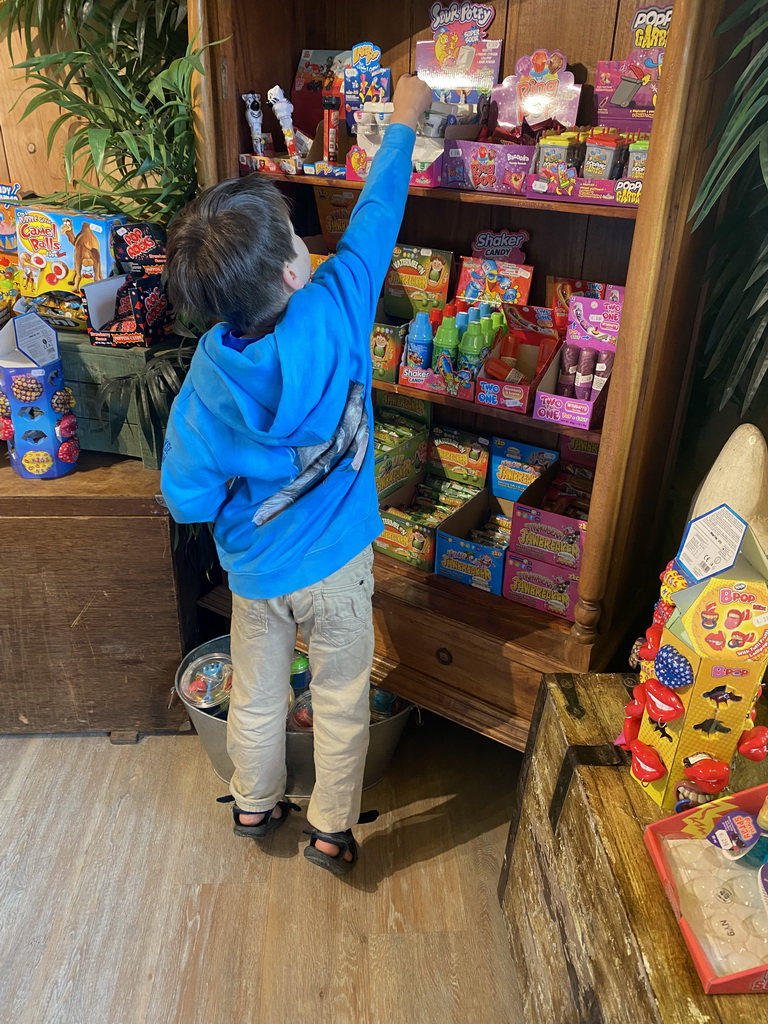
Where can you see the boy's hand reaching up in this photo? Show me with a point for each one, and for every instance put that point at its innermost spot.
(412, 97)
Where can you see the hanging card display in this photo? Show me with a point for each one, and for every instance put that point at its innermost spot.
(459, 64)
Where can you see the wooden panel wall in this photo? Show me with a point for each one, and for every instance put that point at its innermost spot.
(23, 146)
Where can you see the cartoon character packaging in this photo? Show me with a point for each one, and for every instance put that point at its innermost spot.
(693, 828)
(625, 90)
(484, 280)
(486, 166)
(316, 69)
(399, 464)
(62, 250)
(131, 309)
(548, 536)
(417, 280)
(36, 408)
(540, 90)
(387, 344)
(451, 456)
(364, 81)
(459, 558)
(540, 585)
(10, 196)
(564, 183)
(459, 63)
(334, 208)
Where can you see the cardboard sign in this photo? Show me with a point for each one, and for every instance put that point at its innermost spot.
(500, 245)
(365, 81)
(625, 90)
(540, 90)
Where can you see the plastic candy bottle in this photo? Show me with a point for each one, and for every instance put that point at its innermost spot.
(757, 855)
(488, 333)
(485, 309)
(471, 349)
(462, 319)
(474, 314)
(300, 674)
(435, 318)
(446, 347)
(420, 342)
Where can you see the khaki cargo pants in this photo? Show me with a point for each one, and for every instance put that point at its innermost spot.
(336, 622)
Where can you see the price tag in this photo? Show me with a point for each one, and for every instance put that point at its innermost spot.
(711, 544)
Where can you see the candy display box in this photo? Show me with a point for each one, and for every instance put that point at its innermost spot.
(36, 407)
(536, 349)
(546, 536)
(486, 166)
(535, 583)
(515, 466)
(403, 463)
(143, 299)
(711, 655)
(387, 345)
(417, 281)
(493, 281)
(565, 185)
(459, 558)
(454, 385)
(572, 412)
(721, 906)
(452, 455)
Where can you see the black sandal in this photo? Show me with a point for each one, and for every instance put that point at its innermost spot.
(336, 864)
(266, 826)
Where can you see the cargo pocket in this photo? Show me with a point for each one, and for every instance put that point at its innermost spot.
(250, 617)
(341, 616)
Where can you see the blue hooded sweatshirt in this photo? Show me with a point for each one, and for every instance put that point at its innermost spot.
(270, 441)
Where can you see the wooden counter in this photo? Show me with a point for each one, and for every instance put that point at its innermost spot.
(593, 935)
(94, 618)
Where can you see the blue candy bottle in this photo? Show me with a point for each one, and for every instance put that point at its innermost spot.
(420, 342)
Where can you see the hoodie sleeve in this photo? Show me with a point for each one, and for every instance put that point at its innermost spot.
(365, 249)
(193, 484)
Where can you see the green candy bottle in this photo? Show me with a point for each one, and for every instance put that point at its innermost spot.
(445, 351)
(471, 349)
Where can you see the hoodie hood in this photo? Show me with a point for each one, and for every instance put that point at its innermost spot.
(279, 390)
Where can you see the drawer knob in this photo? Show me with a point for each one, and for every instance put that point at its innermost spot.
(444, 656)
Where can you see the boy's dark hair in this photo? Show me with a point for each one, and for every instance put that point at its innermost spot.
(226, 253)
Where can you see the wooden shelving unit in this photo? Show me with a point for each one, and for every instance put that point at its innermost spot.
(471, 656)
(479, 198)
(504, 416)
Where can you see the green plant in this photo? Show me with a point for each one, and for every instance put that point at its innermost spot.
(122, 84)
(153, 389)
(735, 323)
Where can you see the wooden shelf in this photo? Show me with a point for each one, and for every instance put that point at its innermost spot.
(459, 196)
(487, 410)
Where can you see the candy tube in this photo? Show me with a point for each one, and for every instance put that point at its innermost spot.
(331, 105)
(603, 369)
(569, 357)
(585, 370)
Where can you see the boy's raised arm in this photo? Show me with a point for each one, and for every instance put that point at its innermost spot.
(364, 252)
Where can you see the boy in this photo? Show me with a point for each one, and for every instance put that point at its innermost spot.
(269, 440)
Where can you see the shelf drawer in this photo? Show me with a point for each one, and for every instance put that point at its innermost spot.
(466, 661)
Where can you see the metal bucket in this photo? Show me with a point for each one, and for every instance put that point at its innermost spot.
(299, 747)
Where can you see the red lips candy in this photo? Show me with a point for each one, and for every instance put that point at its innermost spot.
(662, 703)
(647, 766)
(711, 776)
(754, 743)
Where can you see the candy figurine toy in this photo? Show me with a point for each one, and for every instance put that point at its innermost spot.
(283, 109)
(255, 118)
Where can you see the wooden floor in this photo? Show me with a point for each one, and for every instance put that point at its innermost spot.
(126, 899)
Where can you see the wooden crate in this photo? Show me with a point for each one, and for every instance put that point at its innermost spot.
(593, 934)
(98, 605)
(86, 368)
